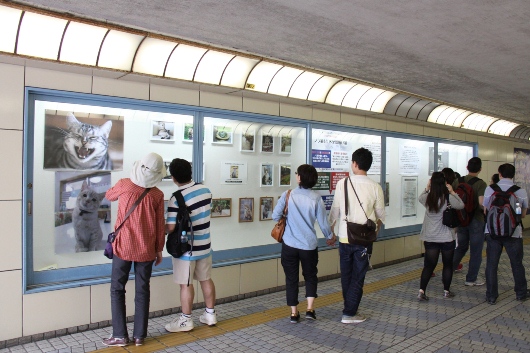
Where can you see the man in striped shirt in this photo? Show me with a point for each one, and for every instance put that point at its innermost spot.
(198, 261)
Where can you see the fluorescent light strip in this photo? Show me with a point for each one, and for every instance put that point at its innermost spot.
(442, 118)
(338, 92)
(118, 49)
(502, 127)
(237, 71)
(435, 114)
(212, 66)
(320, 89)
(303, 84)
(379, 104)
(351, 99)
(183, 62)
(152, 55)
(9, 20)
(40, 36)
(81, 43)
(283, 81)
(261, 76)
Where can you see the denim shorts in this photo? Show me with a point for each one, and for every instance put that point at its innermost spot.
(450, 245)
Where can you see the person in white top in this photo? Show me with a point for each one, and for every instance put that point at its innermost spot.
(354, 259)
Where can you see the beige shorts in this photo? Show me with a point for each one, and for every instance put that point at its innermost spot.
(201, 270)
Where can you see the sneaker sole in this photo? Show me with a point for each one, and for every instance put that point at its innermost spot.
(352, 321)
(209, 323)
(179, 330)
(473, 284)
(310, 318)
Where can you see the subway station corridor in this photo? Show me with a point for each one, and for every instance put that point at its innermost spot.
(396, 320)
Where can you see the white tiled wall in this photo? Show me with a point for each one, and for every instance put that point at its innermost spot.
(42, 312)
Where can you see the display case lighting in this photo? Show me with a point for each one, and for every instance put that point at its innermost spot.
(301, 87)
(502, 127)
(40, 36)
(9, 20)
(435, 114)
(237, 71)
(183, 62)
(262, 75)
(211, 67)
(118, 49)
(351, 99)
(379, 104)
(337, 93)
(320, 89)
(284, 79)
(152, 55)
(81, 43)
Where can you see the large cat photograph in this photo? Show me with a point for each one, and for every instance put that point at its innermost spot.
(77, 141)
(82, 214)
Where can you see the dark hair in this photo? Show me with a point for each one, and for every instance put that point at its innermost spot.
(457, 175)
(436, 195)
(474, 165)
(363, 158)
(308, 176)
(495, 178)
(449, 175)
(507, 170)
(180, 169)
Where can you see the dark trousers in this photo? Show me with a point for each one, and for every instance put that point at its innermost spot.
(514, 249)
(353, 267)
(120, 275)
(432, 253)
(291, 260)
(472, 238)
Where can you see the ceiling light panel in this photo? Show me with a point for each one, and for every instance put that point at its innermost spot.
(118, 49)
(237, 71)
(442, 118)
(184, 61)
(303, 84)
(211, 67)
(502, 127)
(485, 122)
(9, 19)
(472, 121)
(433, 117)
(354, 95)
(368, 98)
(379, 104)
(459, 116)
(283, 81)
(40, 36)
(152, 56)
(81, 43)
(337, 92)
(261, 76)
(320, 89)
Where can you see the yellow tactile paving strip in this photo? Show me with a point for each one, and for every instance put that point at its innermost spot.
(238, 323)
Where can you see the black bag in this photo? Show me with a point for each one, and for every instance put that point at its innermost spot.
(359, 234)
(450, 215)
(174, 244)
(501, 219)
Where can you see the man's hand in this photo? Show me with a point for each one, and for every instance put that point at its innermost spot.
(158, 258)
(331, 242)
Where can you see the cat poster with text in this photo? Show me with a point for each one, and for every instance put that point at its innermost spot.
(83, 141)
(82, 213)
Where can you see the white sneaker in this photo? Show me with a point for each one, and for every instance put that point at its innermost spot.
(208, 319)
(352, 319)
(180, 324)
(476, 283)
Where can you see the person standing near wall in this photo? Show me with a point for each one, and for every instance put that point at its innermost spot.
(197, 262)
(140, 241)
(300, 243)
(472, 236)
(354, 259)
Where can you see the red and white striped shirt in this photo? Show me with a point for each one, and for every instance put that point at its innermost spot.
(143, 233)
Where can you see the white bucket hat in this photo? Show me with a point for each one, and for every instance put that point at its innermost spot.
(148, 171)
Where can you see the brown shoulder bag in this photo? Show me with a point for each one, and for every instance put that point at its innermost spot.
(279, 228)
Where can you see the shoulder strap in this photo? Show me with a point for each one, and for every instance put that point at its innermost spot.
(448, 202)
(360, 204)
(182, 206)
(473, 180)
(513, 189)
(132, 209)
(285, 209)
(496, 188)
(461, 180)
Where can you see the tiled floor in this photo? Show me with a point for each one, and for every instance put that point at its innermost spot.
(396, 322)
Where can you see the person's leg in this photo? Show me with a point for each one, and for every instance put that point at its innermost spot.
(493, 255)
(346, 270)
(142, 277)
(290, 263)
(119, 278)
(476, 244)
(448, 251)
(309, 261)
(430, 260)
(359, 268)
(182, 270)
(462, 235)
(514, 249)
(187, 293)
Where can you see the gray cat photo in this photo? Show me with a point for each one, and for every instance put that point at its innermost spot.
(75, 143)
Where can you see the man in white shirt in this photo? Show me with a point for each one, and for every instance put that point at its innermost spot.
(354, 259)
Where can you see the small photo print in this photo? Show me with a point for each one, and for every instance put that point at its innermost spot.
(246, 209)
(248, 141)
(285, 174)
(221, 208)
(265, 208)
(162, 131)
(285, 143)
(266, 170)
(267, 143)
(188, 132)
(168, 175)
(222, 135)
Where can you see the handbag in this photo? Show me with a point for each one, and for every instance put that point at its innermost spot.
(109, 252)
(279, 227)
(450, 215)
(359, 234)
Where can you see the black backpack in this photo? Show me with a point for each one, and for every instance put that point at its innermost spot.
(501, 219)
(174, 245)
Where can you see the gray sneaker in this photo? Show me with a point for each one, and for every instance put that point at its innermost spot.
(352, 319)
(476, 283)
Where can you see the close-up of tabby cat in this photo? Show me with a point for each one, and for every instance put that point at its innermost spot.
(80, 146)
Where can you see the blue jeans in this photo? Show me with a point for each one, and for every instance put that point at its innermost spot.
(291, 260)
(514, 249)
(119, 278)
(353, 267)
(472, 238)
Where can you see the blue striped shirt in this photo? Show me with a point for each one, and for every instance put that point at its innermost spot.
(198, 199)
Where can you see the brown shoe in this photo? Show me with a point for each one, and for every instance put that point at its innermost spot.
(139, 341)
(116, 342)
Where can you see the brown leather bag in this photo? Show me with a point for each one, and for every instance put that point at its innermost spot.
(279, 228)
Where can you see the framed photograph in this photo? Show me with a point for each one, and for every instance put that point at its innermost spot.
(266, 170)
(285, 174)
(248, 139)
(246, 209)
(162, 130)
(265, 208)
(267, 143)
(221, 208)
(222, 135)
(168, 175)
(285, 143)
(187, 134)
